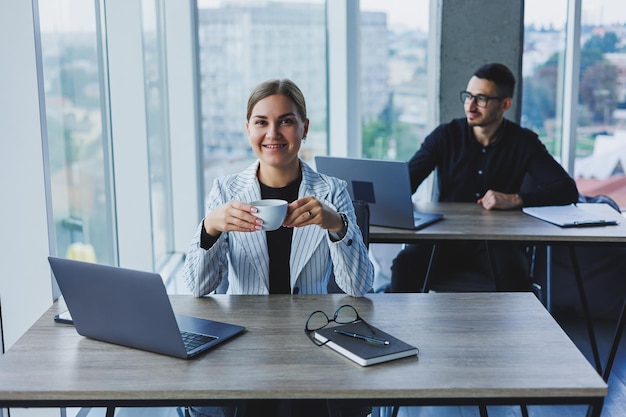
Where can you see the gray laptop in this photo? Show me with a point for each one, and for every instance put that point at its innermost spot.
(132, 308)
(385, 185)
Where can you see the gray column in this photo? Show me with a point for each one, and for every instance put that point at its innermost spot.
(473, 33)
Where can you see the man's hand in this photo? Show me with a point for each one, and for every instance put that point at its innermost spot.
(493, 200)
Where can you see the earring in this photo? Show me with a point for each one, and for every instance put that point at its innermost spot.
(304, 138)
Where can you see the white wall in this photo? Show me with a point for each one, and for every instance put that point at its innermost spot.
(25, 279)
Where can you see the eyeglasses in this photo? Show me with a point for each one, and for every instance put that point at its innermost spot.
(481, 100)
(344, 315)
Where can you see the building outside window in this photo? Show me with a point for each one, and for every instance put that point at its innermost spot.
(394, 94)
(600, 133)
(76, 119)
(242, 44)
(73, 39)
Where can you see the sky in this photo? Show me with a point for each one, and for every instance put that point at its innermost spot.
(413, 14)
(541, 12)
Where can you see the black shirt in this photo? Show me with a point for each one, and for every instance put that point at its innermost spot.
(466, 169)
(279, 240)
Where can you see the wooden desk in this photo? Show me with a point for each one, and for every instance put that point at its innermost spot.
(489, 348)
(469, 221)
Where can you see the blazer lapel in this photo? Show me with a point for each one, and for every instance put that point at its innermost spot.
(246, 188)
(306, 239)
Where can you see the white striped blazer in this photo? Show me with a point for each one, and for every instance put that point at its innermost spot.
(242, 257)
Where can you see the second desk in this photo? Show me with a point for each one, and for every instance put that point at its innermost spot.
(470, 221)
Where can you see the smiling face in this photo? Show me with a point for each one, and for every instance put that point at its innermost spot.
(493, 112)
(275, 131)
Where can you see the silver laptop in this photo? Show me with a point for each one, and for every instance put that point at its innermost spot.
(385, 185)
(132, 308)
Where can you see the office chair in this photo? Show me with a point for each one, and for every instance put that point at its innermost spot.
(362, 212)
(598, 288)
(459, 280)
(546, 257)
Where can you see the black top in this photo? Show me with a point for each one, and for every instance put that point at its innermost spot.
(466, 169)
(279, 240)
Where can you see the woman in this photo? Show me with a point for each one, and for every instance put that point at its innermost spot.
(319, 239)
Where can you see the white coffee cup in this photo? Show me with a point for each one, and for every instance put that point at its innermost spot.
(272, 212)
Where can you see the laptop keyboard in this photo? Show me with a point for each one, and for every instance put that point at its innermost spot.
(193, 340)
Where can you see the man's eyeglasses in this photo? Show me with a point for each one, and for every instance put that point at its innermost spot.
(344, 315)
(481, 100)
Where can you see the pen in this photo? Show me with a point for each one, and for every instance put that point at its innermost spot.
(595, 223)
(369, 339)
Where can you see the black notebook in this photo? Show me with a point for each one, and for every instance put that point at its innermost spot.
(351, 342)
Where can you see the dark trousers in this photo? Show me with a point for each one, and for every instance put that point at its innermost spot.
(461, 260)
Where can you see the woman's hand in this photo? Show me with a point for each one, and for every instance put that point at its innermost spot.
(234, 216)
(309, 210)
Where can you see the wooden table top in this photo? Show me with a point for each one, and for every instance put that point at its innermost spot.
(472, 346)
(469, 221)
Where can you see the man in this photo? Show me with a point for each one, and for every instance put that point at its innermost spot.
(490, 160)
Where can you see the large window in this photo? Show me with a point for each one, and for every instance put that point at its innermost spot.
(543, 66)
(598, 116)
(242, 44)
(83, 136)
(394, 99)
(601, 133)
(157, 115)
(76, 114)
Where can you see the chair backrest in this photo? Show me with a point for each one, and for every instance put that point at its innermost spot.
(362, 212)
(602, 270)
(599, 199)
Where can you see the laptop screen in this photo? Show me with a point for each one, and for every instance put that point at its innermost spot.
(384, 185)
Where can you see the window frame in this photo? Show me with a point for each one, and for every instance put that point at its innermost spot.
(570, 88)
